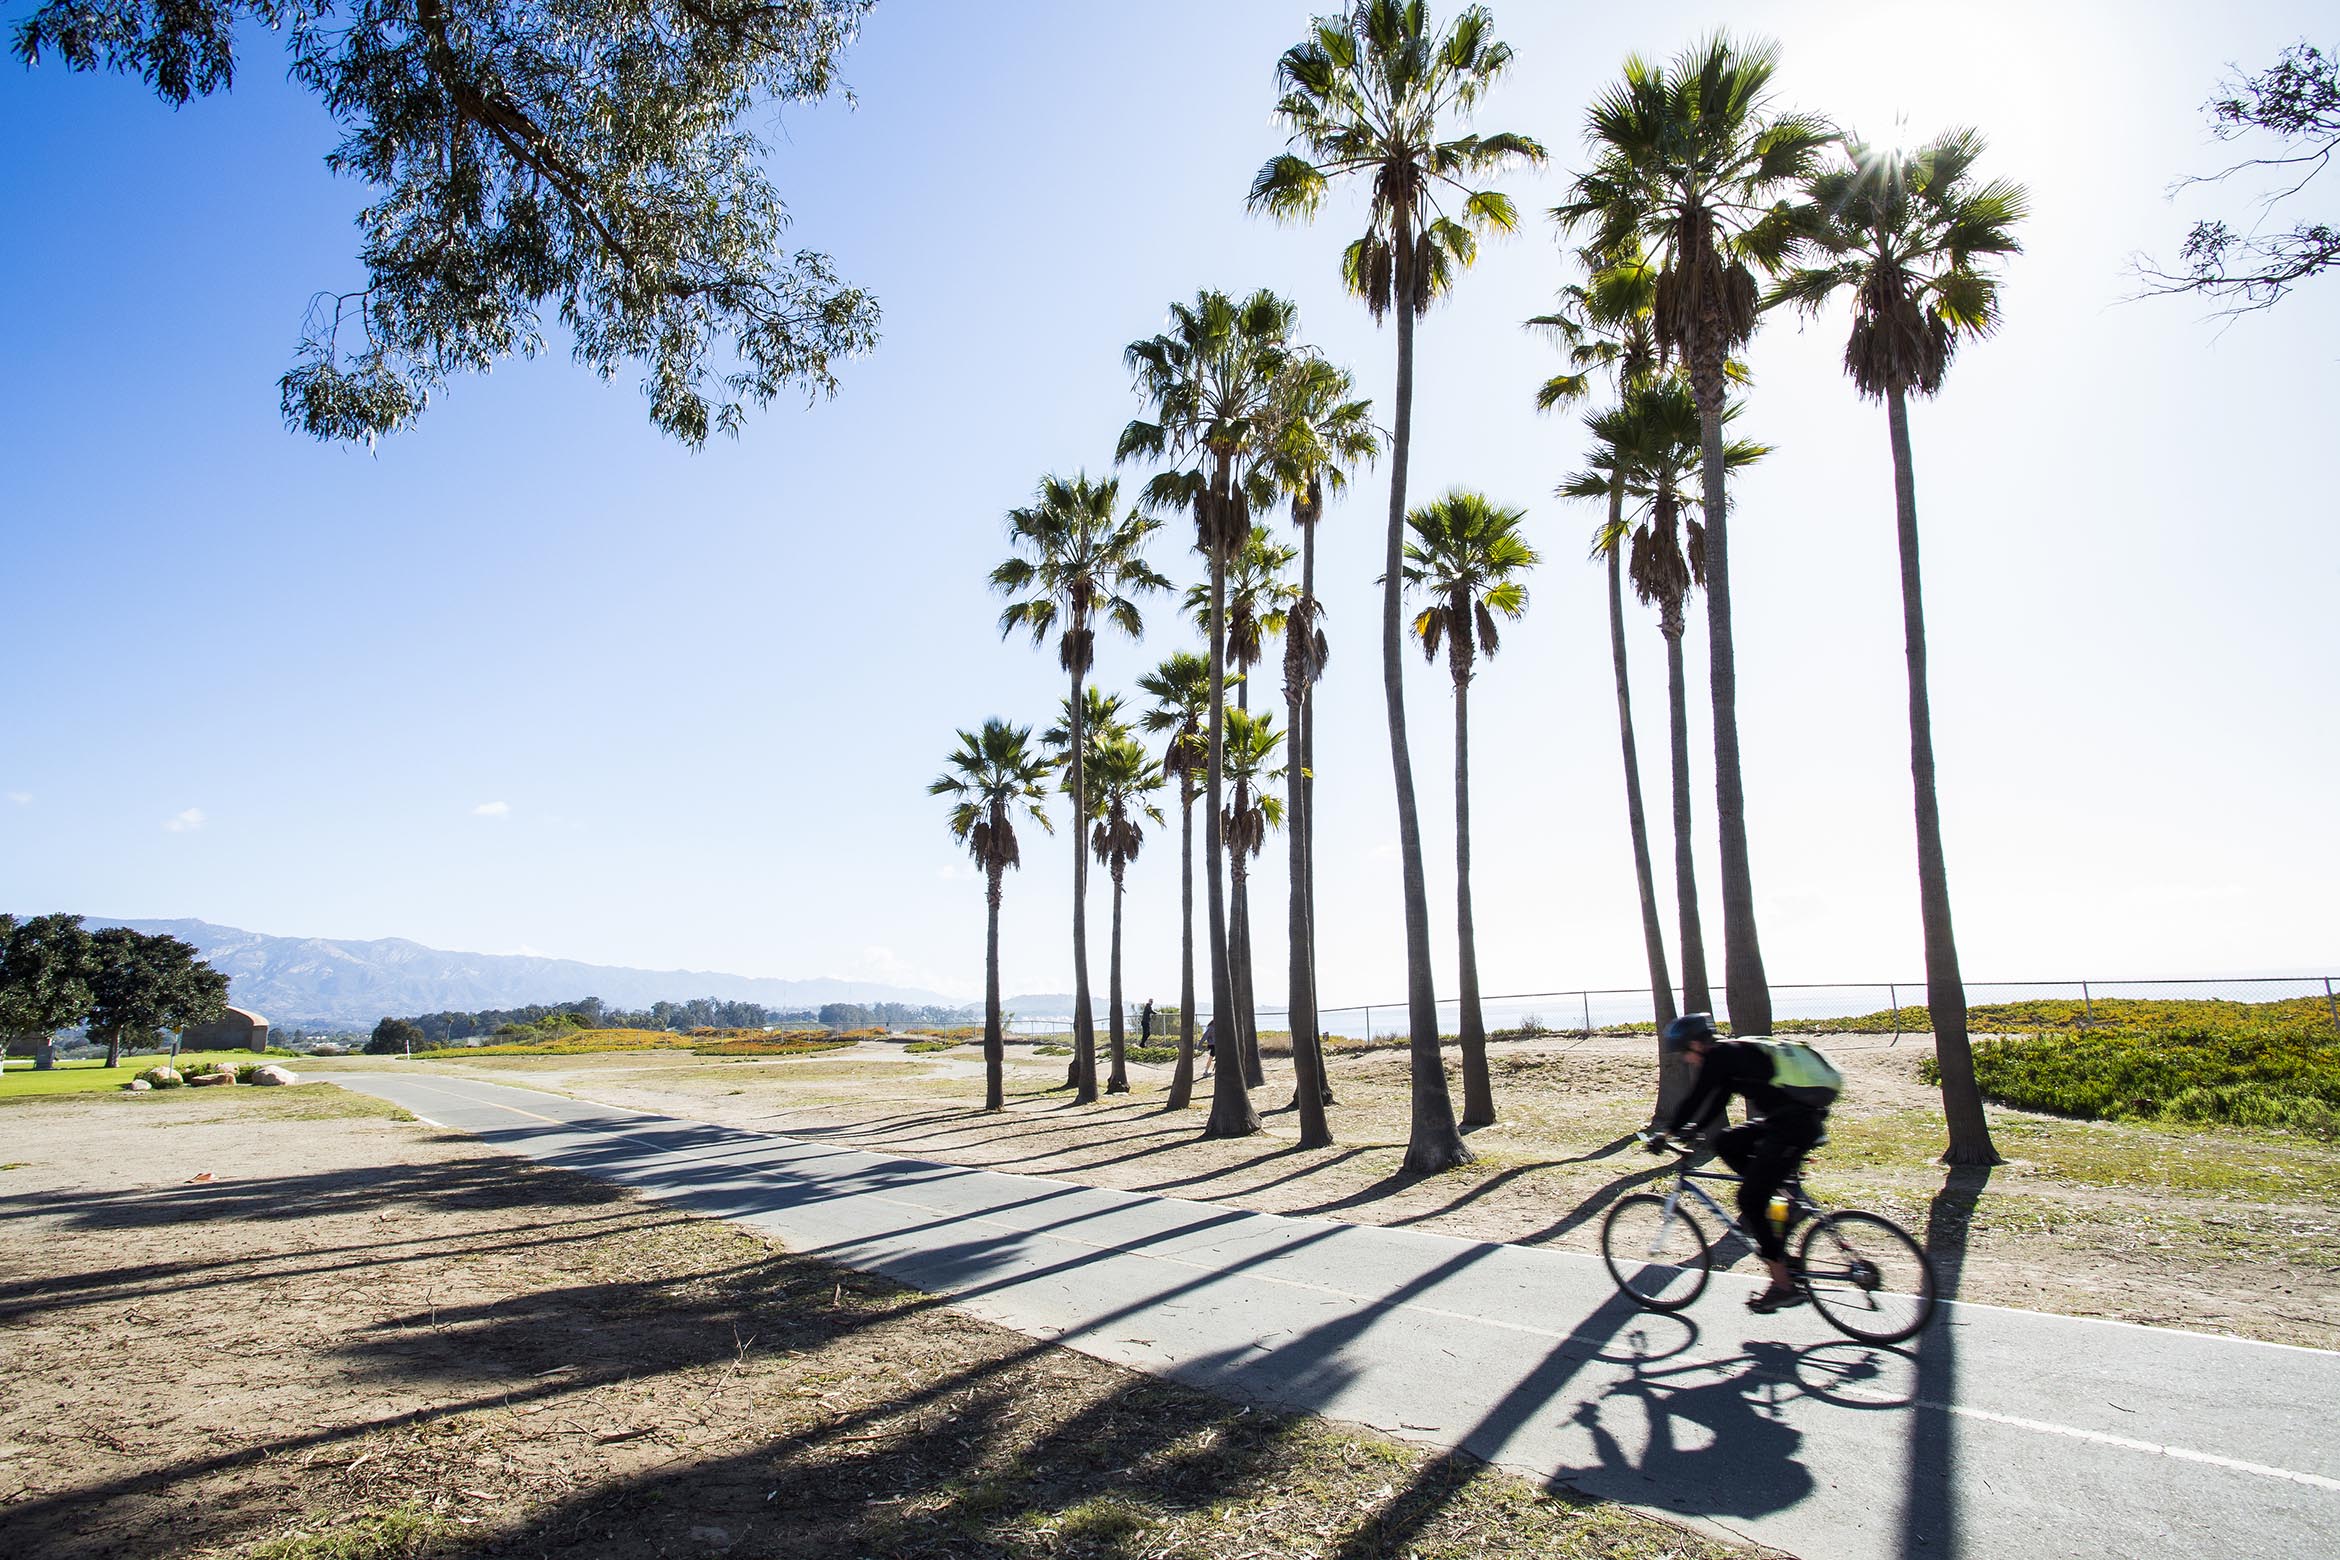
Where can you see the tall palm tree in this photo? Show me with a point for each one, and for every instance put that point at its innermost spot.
(1325, 430)
(1181, 690)
(991, 773)
(1211, 382)
(1078, 563)
(1250, 751)
(1122, 780)
(1689, 164)
(1258, 599)
(1371, 93)
(1603, 322)
(1912, 238)
(1467, 557)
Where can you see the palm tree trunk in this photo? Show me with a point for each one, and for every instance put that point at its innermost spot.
(1745, 985)
(1300, 1004)
(1231, 1112)
(1696, 998)
(1306, 790)
(1478, 1088)
(1653, 936)
(1182, 1077)
(1239, 932)
(1084, 1023)
(1117, 1080)
(1970, 1131)
(994, 1040)
(1433, 1143)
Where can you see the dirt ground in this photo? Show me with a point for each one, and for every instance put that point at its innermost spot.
(2222, 1231)
(365, 1338)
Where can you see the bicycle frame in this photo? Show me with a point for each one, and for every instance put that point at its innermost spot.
(1686, 1179)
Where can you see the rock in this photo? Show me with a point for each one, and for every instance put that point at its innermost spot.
(270, 1075)
(206, 1079)
(139, 1086)
(160, 1078)
(326, 1048)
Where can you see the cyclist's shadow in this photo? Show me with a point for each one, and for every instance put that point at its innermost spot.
(1718, 1444)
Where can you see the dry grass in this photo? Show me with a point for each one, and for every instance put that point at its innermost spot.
(459, 1355)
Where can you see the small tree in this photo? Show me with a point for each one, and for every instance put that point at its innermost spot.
(394, 1037)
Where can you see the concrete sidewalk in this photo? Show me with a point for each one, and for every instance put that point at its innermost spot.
(1995, 1433)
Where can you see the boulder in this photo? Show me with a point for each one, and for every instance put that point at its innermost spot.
(268, 1074)
(160, 1078)
(203, 1080)
(139, 1086)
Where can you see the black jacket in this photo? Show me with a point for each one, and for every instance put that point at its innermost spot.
(1735, 1067)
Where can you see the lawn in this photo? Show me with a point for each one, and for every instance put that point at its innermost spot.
(95, 1077)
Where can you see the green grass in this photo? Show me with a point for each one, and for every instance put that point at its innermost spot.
(1151, 1055)
(932, 1045)
(2107, 1015)
(2282, 1076)
(94, 1077)
(397, 1534)
(772, 1047)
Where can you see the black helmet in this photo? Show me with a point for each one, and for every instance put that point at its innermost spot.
(1689, 1027)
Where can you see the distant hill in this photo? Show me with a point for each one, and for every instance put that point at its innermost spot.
(323, 980)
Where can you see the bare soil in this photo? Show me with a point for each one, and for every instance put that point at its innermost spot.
(2216, 1230)
(366, 1338)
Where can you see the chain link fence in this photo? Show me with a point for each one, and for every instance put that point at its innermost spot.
(1888, 1010)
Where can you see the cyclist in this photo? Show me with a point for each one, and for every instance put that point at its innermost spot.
(1788, 1088)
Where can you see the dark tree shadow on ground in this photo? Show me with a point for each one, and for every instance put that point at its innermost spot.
(1929, 1517)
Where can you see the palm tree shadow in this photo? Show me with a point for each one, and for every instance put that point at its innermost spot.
(1929, 1513)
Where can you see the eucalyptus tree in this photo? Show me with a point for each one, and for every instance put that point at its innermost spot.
(993, 772)
(1079, 562)
(1690, 163)
(1324, 431)
(1376, 93)
(1913, 239)
(1181, 690)
(1258, 599)
(533, 157)
(1211, 383)
(1123, 780)
(1466, 557)
(1603, 322)
(1249, 752)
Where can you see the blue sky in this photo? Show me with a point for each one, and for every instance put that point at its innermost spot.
(532, 677)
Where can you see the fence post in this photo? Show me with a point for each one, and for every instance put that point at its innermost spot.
(1369, 1026)
(2329, 1002)
(1587, 996)
(2087, 1007)
(1893, 995)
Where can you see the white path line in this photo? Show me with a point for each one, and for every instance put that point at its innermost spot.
(2038, 1426)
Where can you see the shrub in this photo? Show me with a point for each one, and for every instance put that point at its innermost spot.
(932, 1045)
(1052, 1048)
(2283, 1076)
(1151, 1055)
(769, 1045)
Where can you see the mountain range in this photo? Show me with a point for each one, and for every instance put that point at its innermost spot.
(350, 984)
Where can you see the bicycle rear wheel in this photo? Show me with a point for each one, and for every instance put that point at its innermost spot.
(1659, 1259)
(1867, 1277)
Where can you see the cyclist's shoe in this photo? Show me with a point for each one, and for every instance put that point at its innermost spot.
(1774, 1300)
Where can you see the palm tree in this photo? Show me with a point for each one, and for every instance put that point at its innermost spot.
(1688, 165)
(1211, 380)
(1911, 237)
(1370, 93)
(1122, 780)
(1181, 690)
(1100, 720)
(1604, 322)
(1258, 598)
(1249, 752)
(992, 772)
(1084, 566)
(1467, 557)
(1325, 430)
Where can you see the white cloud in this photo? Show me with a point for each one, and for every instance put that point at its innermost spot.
(492, 810)
(186, 822)
(21, 798)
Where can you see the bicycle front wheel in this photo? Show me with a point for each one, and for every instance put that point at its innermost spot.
(1867, 1277)
(1658, 1256)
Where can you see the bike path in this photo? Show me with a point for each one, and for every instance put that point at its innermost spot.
(1995, 1433)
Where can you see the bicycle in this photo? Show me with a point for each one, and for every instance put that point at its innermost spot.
(1862, 1272)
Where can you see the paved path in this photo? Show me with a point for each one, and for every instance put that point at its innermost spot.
(1997, 1434)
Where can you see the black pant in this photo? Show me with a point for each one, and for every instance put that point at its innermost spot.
(1766, 1155)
